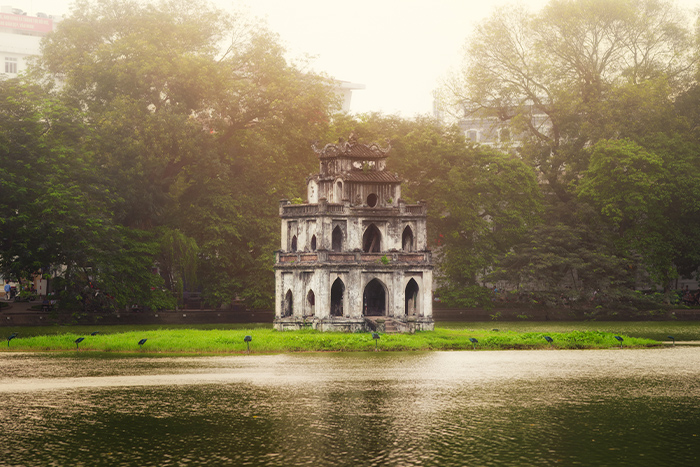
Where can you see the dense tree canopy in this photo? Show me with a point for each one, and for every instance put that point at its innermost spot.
(481, 203)
(599, 95)
(192, 126)
(164, 133)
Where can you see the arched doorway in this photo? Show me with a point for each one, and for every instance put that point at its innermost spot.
(407, 239)
(337, 291)
(337, 239)
(311, 302)
(294, 243)
(313, 243)
(411, 299)
(288, 308)
(372, 240)
(374, 299)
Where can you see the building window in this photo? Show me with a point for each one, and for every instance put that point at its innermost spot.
(337, 291)
(337, 239)
(473, 135)
(407, 239)
(10, 65)
(372, 240)
(372, 200)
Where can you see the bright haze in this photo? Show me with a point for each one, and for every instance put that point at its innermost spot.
(398, 49)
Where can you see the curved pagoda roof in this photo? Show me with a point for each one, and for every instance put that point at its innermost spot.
(351, 149)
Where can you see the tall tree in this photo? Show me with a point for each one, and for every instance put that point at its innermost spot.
(651, 201)
(198, 119)
(56, 212)
(570, 62)
(576, 73)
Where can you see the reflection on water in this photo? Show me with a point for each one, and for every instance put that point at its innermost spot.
(617, 407)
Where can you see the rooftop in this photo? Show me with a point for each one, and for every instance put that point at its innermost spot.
(351, 149)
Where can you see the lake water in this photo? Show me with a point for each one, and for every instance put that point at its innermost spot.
(597, 407)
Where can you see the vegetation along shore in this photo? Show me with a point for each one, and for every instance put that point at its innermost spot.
(265, 340)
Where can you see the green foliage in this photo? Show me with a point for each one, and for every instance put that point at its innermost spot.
(268, 341)
(178, 260)
(648, 199)
(480, 202)
(601, 94)
(192, 143)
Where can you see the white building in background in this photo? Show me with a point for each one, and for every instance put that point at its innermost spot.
(20, 38)
(344, 89)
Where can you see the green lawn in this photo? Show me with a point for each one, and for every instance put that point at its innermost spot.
(217, 339)
(657, 330)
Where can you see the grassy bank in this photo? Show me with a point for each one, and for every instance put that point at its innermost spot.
(656, 330)
(266, 340)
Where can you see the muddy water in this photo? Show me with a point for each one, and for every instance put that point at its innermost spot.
(608, 407)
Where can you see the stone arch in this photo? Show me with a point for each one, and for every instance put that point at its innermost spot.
(372, 240)
(374, 299)
(337, 294)
(288, 304)
(337, 239)
(407, 239)
(313, 243)
(412, 304)
(294, 243)
(311, 303)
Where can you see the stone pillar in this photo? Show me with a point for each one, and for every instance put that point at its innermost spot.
(397, 294)
(279, 294)
(426, 293)
(323, 297)
(354, 290)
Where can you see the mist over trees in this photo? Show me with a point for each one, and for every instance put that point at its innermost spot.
(189, 124)
(617, 153)
(164, 134)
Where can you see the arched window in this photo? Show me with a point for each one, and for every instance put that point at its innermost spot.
(313, 243)
(374, 299)
(288, 308)
(337, 239)
(411, 298)
(294, 243)
(337, 291)
(407, 239)
(311, 301)
(338, 192)
(372, 240)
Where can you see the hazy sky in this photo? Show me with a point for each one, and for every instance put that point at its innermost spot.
(399, 49)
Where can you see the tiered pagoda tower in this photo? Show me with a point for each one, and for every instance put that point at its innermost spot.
(354, 257)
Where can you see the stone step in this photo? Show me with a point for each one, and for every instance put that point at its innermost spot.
(390, 327)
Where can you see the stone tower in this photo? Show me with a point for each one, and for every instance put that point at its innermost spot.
(354, 257)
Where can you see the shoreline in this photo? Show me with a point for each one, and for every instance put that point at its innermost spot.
(268, 341)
